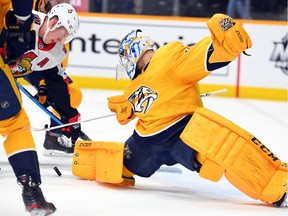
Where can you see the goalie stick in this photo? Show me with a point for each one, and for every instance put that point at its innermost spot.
(82, 135)
(213, 93)
(109, 115)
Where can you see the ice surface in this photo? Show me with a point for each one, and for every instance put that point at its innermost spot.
(165, 193)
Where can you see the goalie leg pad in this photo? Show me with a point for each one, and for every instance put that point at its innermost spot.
(247, 163)
(100, 161)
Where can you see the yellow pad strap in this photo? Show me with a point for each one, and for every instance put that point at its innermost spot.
(100, 161)
(248, 164)
(211, 170)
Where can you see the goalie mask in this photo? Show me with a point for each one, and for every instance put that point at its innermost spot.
(67, 17)
(131, 49)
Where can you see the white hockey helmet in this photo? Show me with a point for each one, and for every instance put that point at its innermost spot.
(131, 49)
(67, 17)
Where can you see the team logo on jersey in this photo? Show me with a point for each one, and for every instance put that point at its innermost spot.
(280, 54)
(23, 66)
(143, 99)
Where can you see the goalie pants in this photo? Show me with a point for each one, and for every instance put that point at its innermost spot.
(144, 155)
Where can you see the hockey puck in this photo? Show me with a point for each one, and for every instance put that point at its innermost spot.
(57, 171)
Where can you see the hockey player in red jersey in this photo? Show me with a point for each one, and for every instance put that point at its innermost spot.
(55, 142)
(18, 37)
(173, 127)
(53, 31)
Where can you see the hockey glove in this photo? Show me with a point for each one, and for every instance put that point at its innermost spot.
(229, 38)
(72, 131)
(19, 37)
(41, 96)
(122, 107)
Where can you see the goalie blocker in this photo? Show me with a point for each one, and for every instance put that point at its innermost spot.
(223, 149)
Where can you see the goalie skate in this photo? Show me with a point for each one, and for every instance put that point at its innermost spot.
(56, 144)
(33, 198)
(283, 202)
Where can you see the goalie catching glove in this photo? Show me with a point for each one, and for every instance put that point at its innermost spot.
(18, 36)
(229, 38)
(122, 107)
(72, 131)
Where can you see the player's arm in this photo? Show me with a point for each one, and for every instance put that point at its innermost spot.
(227, 41)
(18, 33)
(22, 9)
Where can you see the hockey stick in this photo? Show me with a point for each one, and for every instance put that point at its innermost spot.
(82, 135)
(69, 124)
(106, 116)
(213, 93)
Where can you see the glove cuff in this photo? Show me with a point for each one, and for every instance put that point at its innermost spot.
(75, 118)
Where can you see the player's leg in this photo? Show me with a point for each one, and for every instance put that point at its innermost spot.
(103, 161)
(19, 144)
(140, 158)
(55, 142)
(185, 155)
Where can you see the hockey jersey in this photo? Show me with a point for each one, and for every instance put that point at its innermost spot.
(167, 89)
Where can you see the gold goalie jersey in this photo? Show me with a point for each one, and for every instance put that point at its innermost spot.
(174, 71)
(43, 57)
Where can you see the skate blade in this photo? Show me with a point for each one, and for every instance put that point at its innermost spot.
(40, 212)
(56, 153)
